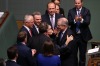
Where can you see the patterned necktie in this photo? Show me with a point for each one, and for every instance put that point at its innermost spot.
(52, 22)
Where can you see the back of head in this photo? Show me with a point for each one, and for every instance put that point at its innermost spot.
(21, 36)
(48, 48)
(43, 27)
(12, 52)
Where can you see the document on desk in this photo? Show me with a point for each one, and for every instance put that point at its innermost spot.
(93, 51)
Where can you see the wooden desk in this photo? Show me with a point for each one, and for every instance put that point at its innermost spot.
(94, 61)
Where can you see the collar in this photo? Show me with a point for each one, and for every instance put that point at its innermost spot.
(53, 16)
(23, 43)
(64, 31)
(35, 26)
(13, 60)
(79, 9)
(26, 27)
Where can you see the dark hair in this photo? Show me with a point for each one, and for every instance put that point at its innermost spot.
(21, 36)
(43, 27)
(12, 52)
(54, 0)
(48, 48)
(2, 62)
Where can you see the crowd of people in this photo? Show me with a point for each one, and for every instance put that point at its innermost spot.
(52, 39)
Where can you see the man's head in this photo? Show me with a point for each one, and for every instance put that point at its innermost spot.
(78, 3)
(28, 21)
(62, 23)
(37, 18)
(57, 2)
(43, 27)
(12, 52)
(22, 37)
(51, 8)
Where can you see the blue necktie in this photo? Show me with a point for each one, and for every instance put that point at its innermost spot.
(61, 36)
(78, 23)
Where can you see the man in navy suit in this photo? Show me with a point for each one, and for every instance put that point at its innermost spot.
(25, 57)
(50, 16)
(28, 24)
(66, 44)
(79, 19)
(12, 54)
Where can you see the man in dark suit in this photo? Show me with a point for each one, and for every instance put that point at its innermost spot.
(12, 54)
(51, 17)
(79, 20)
(28, 24)
(66, 44)
(37, 20)
(25, 57)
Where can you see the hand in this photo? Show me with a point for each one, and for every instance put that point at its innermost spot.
(69, 38)
(76, 18)
(33, 51)
(56, 31)
(80, 18)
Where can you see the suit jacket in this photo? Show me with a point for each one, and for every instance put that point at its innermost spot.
(67, 53)
(37, 41)
(24, 29)
(84, 27)
(11, 63)
(34, 31)
(45, 18)
(25, 55)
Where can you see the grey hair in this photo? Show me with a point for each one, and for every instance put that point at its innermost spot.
(63, 21)
(27, 18)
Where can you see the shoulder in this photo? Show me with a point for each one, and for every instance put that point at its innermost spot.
(72, 9)
(58, 15)
(23, 29)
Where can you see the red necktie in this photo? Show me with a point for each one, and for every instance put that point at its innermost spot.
(30, 33)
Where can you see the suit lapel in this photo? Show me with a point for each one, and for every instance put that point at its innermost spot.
(48, 18)
(64, 36)
(82, 11)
